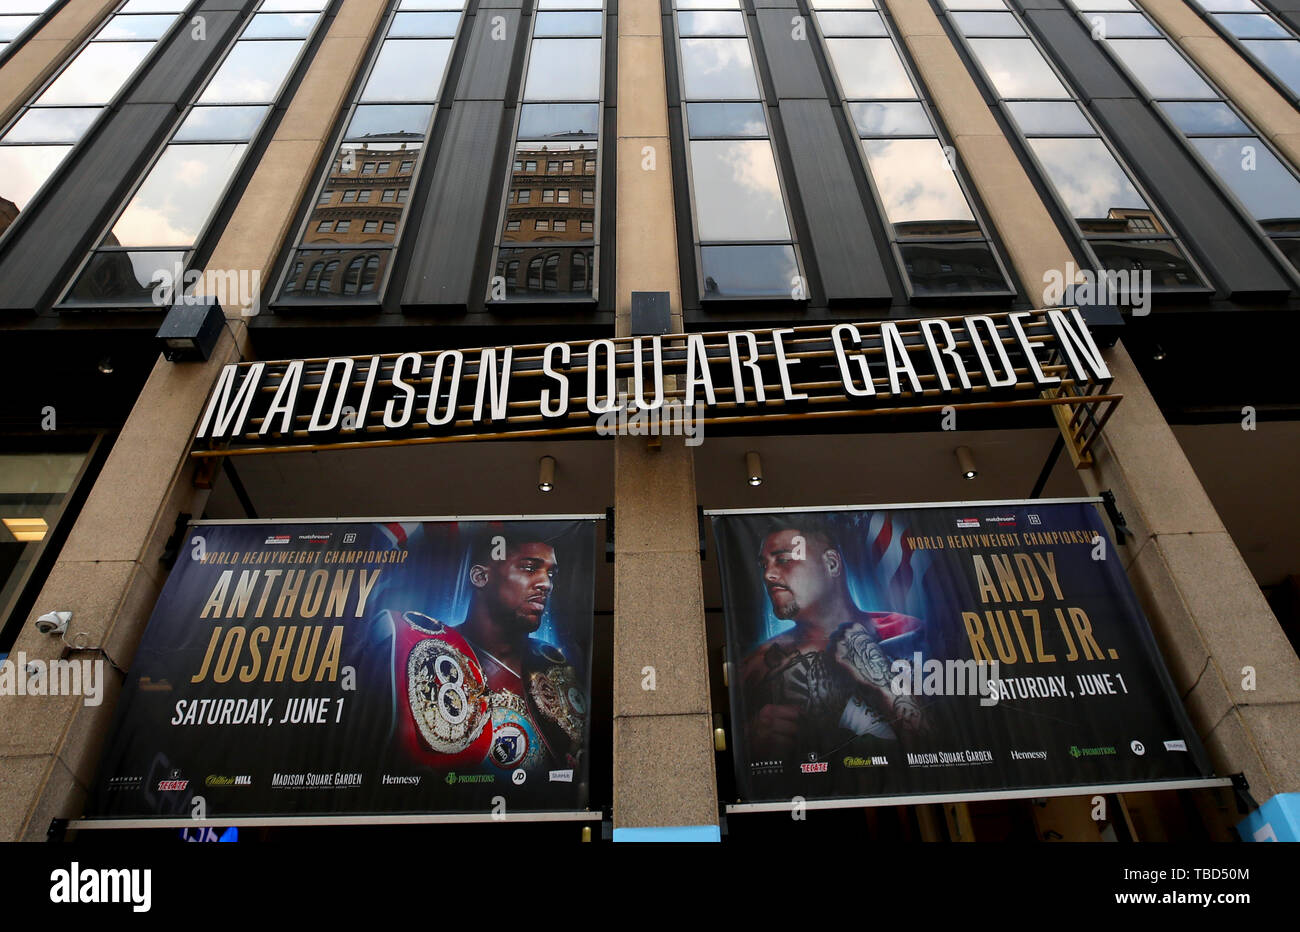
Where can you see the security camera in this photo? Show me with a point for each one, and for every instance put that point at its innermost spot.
(55, 623)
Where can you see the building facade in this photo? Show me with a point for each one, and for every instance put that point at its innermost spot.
(350, 178)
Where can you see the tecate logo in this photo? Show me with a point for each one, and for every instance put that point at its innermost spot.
(168, 786)
(819, 767)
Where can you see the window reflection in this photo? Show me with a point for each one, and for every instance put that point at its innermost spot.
(1016, 69)
(1267, 189)
(121, 277)
(563, 69)
(1092, 184)
(918, 188)
(737, 193)
(1160, 68)
(23, 169)
(749, 271)
(718, 69)
(407, 69)
(869, 68)
(96, 74)
(176, 198)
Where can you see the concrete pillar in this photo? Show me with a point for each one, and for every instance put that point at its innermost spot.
(1208, 613)
(29, 67)
(663, 737)
(108, 573)
(1268, 110)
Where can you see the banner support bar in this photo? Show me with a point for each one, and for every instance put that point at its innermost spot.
(1093, 499)
(923, 799)
(428, 818)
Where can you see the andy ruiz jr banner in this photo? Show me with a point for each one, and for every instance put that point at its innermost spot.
(966, 648)
(357, 667)
(814, 371)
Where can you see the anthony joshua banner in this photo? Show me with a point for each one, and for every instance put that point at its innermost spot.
(357, 668)
(941, 650)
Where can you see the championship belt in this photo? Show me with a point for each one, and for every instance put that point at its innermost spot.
(443, 709)
(515, 740)
(556, 699)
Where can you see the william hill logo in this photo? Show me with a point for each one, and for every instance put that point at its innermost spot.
(214, 779)
(880, 761)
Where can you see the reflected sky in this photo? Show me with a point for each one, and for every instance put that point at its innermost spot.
(379, 120)
(1208, 117)
(567, 24)
(711, 23)
(914, 181)
(1252, 26)
(97, 73)
(563, 69)
(1268, 190)
(735, 119)
(1160, 68)
(1050, 117)
(407, 69)
(1087, 177)
(718, 69)
(1017, 68)
(176, 198)
(61, 124)
(737, 194)
(851, 24)
(280, 25)
(424, 25)
(136, 27)
(891, 119)
(869, 68)
(23, 169)
(11, 26)
(1282, 58)
(987, 24)
(223, 123)
(252, 72)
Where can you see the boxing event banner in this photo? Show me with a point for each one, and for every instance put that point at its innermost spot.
(361, 668)
(948, 649)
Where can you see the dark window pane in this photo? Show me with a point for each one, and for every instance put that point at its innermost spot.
(1201, 118)
(951, 268)
(712, 23)
(540, 121)
(1253, 172)
(749, 271)
(739, 119)
(220, 123)
(1050, 118)
(1163, 258)
(568, 24)
(548, 271)
(1290, 247)
(1252, 26)
(409, 121)
(987, 24)
(892, 119)
(342, 274)
(124, 277)
(420, 25)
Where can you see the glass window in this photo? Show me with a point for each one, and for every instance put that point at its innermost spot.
(974, 4)
(1120, 25)
(1160, 68)
(407, 70)
(1253, 26)
(559, 226)
(563, 69)
(424, 25)
(737, 193)
(220, 124)
(568, 24)
(280, 26)
(135, 27)
(539, 121)
(756, 271)
(712, 23)
(1229, 6)
(869, 68)
(729, 119)
(124, 277)
(1016, 68)
(1208, 118)
(562, 196)
(542, 225)
(174, 202)
(1168, 266)
(1089, 180)
(918, 188)
(719, 69)
(54, 124)
(988, 24)
(512, 225)
(1268, 190)
(890, 119)
(370, 226)
(857, 23)
(1090, 5)
(96, 74)
(343, 226)
(1282, 58)
(389, 120)
(253, 72)
(938, 269)
(1050, 118)
(325, 226)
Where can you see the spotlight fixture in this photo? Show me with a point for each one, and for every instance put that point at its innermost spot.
(106, 365)
(546, 474)
(1158, 353)
(753, 468)
(967, 463)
